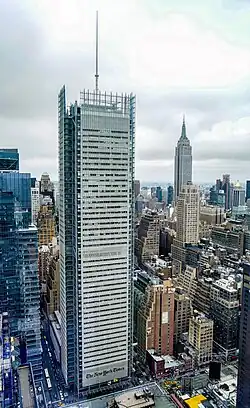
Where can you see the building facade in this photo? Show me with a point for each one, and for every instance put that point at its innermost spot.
(170, 195)
(30, 298)
(225, 315)
(9, 160)
(183, 162)
(200, 337)
(243, 391)
(96, 177)
(154, 315)
(148, 238)
(182, 313)
(35, 202)
(46, 224)
(187, 226)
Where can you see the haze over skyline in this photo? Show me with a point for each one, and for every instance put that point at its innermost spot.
(176, 56)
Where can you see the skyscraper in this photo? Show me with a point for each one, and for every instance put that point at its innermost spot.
(187, 226)
(247, 189)
(226, 186)
(183, 162)
(96, 177)
(243, 391)
(19, 288)
(9, 160)
(170, 195)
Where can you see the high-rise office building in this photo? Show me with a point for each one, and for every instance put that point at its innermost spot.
(35, 201)
(46, 224)
(182, 313)
(30, 298)
(147, 243)
(9, 160)
(137, 187)
(243, 391)
(238, 195)
(226, 186)
(225, 313)
(170, 195)
(159, 194)
(183, 162)
(96, 177)
(247, 190)
(187, 226)
(19, 287)
(200, 336)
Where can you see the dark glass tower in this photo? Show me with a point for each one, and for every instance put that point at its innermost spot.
(9, 160)
(19, 288)
(243, 392)
(247, 189)
(170, 195)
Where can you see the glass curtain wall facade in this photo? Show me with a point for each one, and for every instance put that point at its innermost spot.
(9, 276)
(19, 287)
(9, 160)
(20, 185)
(243, 388)
(96, 173)
(30, 297)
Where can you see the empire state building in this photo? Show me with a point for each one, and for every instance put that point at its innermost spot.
(183, 162)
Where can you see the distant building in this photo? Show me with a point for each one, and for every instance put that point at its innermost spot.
(159, 194)
(238, 195)
(243, 392)
(225, 315)
(9, 160)
(53, 280)
(47, 187)
(46, 224)
(231, 239)
(170, 195)
(35, 202)
(147, 243)
(20, 185)
(247, 190)
(183, 162)
(200, 337)
(212, 215)
(226, 187)
(187, 228)
(137, 188)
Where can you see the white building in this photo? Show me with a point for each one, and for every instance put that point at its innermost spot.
(35, 202)
(182, 162)
(96, 174)
(238, 195)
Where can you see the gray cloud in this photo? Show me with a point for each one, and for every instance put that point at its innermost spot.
(32, 72)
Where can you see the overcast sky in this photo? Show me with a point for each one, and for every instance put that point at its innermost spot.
(177, 56)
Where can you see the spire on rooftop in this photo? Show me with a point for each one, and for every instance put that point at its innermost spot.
(183, 129)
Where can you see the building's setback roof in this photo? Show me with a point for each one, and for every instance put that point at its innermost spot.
(27, 397)
(195, 401)
(129, 400)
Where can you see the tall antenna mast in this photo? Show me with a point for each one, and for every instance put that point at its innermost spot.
(96, 54)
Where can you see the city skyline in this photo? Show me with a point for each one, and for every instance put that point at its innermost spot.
(210, 87)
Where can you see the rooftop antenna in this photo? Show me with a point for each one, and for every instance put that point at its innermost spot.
(96, 54)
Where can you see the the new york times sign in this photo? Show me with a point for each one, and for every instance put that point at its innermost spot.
(104, 373)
